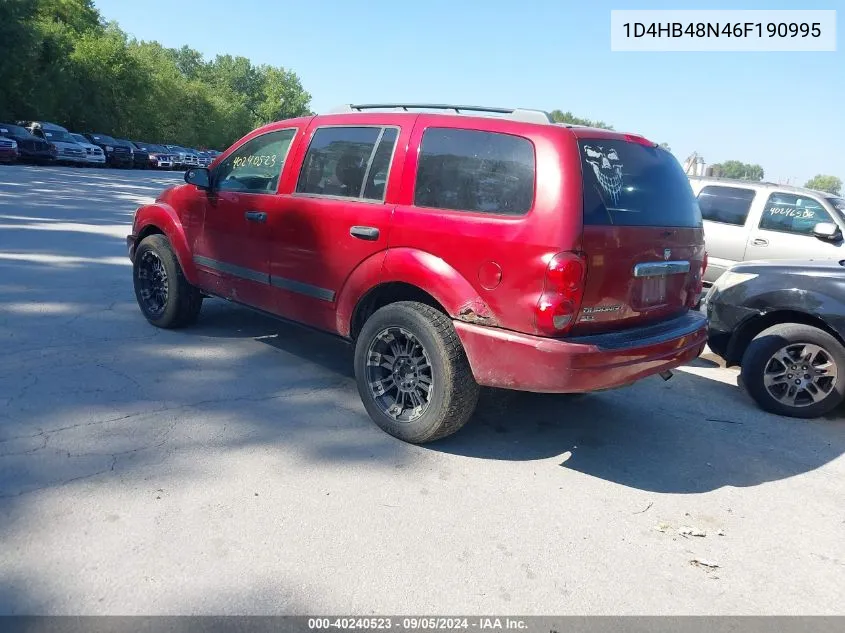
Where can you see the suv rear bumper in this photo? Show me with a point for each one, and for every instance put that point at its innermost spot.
(510, 360)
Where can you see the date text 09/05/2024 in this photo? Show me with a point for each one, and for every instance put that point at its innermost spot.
(417, 623)
(726, 29)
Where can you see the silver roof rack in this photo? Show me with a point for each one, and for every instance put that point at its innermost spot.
(515, 114)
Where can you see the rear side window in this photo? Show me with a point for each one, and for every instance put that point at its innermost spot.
(348, 162)
(630, 184)
(472, 170)
(728, 205)
(789, 213)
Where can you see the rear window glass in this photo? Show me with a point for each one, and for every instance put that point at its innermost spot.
(728, 205)
(629, 184)
(472, 170)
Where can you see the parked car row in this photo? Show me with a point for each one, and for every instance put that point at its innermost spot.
(42, 142)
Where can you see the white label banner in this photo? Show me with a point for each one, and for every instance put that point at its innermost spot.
(723, 30)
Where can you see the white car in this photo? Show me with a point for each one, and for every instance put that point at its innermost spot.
(93, 154)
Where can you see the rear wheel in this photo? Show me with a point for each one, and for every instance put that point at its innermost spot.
(795, 370)
(165, 297)
(412, 373)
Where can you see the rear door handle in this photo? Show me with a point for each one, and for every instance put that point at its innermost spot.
(760, 242)
(368, 233)
(256, 216)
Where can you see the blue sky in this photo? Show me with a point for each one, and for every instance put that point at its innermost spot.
(781, 110)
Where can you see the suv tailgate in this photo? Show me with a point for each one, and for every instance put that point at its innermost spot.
(643, 238)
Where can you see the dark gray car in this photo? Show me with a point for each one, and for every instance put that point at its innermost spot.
(783, 322)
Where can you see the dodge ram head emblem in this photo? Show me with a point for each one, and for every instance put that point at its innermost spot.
(667, 253)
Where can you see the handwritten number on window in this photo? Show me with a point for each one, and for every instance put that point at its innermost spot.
(266, 160)
(805, 214)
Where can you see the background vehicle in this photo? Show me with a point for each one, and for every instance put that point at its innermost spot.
(182, 157)
(486, 281)
(140, 157)
(204, 158)
(68, 150)
(784, 323)
(8, 150)
(30, 148)
(159, 157)
(746, 221)
(118, 154)
(94, 155)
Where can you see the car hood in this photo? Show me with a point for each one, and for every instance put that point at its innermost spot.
(790, 266)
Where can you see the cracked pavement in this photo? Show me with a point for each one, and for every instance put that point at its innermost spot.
(230, 467)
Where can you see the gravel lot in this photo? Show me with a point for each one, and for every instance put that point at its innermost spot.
(230, 468)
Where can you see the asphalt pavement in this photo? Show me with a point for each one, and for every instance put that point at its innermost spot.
(230, 467)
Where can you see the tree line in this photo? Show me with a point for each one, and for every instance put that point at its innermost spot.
(747, 171)
(61, 62)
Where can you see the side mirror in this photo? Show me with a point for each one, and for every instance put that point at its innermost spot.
(827, 231)
(198, 176)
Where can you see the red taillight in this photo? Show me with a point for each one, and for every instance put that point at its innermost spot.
(563, 289)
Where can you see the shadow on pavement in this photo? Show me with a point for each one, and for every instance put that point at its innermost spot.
(689, 435)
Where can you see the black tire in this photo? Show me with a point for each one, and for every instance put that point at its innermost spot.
(758, 358)
(453, 395)
(183, 302)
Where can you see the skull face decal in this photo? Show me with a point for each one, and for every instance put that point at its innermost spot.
(607, 168)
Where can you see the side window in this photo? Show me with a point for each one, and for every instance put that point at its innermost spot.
(256, 165)
(792, 213)
(348, 162)
(728, 205)
(473, 170)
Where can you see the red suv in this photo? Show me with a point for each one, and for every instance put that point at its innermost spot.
(454, 246)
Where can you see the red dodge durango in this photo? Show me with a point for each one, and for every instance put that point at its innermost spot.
(454, 246)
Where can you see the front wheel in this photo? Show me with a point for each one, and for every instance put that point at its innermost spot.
(165, 296)
(795, 370)
(412, 373)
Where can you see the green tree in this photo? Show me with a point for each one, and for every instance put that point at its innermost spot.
(60, 61)
(739, 170)
(830, 184)
(567, 117)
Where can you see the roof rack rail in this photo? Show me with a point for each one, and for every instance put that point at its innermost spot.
(516, 114)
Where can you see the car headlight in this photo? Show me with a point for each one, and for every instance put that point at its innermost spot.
(730, 279)
(14, 144)
(109, 148)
